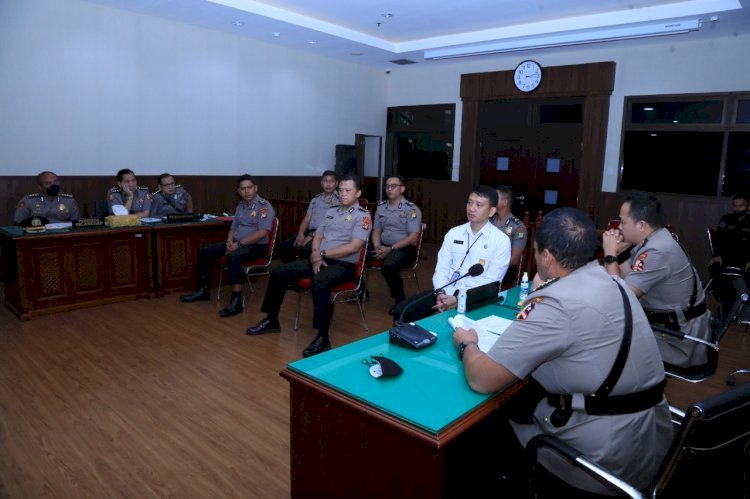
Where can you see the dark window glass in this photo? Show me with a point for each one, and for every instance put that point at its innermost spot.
(743, 111)
(677, 162)
(737, 170)
(553, 113)
(683, 112)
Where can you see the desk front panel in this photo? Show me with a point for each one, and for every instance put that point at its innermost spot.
(53, 272)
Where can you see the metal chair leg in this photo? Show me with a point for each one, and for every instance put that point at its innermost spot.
(299, 304)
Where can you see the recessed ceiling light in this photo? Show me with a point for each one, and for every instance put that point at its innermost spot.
(312, 42)
(387, 15)
(238, 23)
(276, 34)
(356, 53)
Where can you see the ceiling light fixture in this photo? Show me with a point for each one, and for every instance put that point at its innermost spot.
(387, 15)
(238, 23)
(312, 42)
(566, 39)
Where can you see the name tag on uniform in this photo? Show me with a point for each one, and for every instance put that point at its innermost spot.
(329, 216)
(455, 276)
(458, 241)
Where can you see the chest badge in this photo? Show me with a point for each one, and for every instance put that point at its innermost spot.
(348, 218)
(62, 207)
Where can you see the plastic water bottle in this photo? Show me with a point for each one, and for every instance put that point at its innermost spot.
(524, 287)
(461, 308)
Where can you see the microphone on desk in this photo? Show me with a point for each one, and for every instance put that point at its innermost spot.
(416, 336)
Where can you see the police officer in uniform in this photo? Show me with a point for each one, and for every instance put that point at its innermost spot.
(136, 199)
(335, 252)
(49, 202)
(566, 338)
(170, 198)
(394, 236)
(660, 274)
(316, 211)
(512, 227)
(732, 249)
(247, 240)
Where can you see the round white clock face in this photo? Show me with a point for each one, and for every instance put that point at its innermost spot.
(528, 76)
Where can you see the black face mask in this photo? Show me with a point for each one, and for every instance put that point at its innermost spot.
(53, 190)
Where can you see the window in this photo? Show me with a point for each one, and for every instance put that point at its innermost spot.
(694, 144)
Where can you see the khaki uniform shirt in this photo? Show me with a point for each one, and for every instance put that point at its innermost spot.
(514, 228)
(162, 205)
(341, 226)
(251, 217)
(319, 206)
(62, 208)
(395, 223)
(141, 199)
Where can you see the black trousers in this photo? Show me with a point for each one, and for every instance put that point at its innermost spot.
(287, 252)
(393, 263)
(208, 256)
(286, 276)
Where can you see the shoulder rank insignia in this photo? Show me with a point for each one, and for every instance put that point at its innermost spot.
(382, 202)
(262, 201)
(140, 188)
(526, 311)
(363, 210)
(638, 265)
(366, 223)
(66, 195)
(408, 203)
(34, 195)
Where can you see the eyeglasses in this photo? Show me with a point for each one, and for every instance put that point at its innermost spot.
(171, 184)
(388, 187)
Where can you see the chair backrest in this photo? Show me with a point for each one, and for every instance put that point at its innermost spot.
(418, 247)
(272, 236)
(710, 234)
(361, 262)
(712, 431)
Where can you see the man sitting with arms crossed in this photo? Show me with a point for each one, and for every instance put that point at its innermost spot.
(316, 211)
(247, 240)
(660, 274)
(567, 338)
(477, 241)
(335, 252)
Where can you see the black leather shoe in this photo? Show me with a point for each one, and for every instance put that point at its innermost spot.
(318, 345)
(364, 296)
(200, 294)
(264, 326)
(234, 308)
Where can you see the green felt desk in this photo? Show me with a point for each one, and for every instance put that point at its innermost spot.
(401, 428)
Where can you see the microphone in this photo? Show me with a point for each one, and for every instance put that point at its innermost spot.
(474, 271)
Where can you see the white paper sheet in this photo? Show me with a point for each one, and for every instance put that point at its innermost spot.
(488, 329)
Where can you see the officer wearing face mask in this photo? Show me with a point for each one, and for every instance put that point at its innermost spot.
(49, 202)
(731, 248)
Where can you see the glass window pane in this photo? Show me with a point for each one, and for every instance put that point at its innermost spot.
(743, 111)
(676, 162)
(737, 169)
(558, 113)
(681, 112)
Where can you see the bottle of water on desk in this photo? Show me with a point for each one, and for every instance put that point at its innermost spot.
(524, 288)
(461, 307)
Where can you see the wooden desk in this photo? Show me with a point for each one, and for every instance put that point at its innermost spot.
(356, 436)
(64, 270)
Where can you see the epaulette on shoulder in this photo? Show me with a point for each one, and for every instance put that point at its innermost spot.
(156, 192)
(365, 210)
(34, 195)
(320, 194)
(178, 186)
(516, 219)
(408, 203)
(115, 190)
(142, 188)
(261, 200)
(382, 202)
(66, 195)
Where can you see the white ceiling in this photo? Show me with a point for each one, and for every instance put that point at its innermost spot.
(358, 30)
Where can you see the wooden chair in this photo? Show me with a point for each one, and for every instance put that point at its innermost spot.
(345, 289)
(409, 272)
(257, 267)
(709, 452)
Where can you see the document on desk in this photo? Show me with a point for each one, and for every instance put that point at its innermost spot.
(488, 329)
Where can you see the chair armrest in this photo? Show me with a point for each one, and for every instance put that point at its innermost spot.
(577, 459)
(682, 336)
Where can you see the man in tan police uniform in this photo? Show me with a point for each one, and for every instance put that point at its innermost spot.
(49, 202)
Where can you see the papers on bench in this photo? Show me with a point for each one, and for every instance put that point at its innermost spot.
(488, 329)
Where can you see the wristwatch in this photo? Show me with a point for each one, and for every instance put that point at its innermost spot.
(323, 253)
(610, 259)
(462, 346)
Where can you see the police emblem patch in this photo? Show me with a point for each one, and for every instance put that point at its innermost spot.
(413, 213)
(366, 223)
(524, 314)
(638, 265)
(253, 213)
(263, 212)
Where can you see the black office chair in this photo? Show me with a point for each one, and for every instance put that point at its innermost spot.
(708, 457)
(719, 325)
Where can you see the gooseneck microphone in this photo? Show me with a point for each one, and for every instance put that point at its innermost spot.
(474, 271)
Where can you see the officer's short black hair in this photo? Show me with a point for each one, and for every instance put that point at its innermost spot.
(123, 172)
(735, 197)
(162, 177)
(401, 178)
(353, 178)
(506, 193)
(569, 235)
(488, 192)
(244, 177)
(328, 173)
(42, 174)
(645, 207)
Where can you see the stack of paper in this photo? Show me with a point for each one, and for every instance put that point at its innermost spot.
(488, 329)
